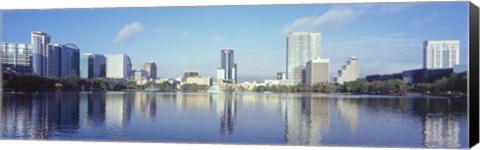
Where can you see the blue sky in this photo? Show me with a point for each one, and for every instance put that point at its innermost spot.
(386, 37)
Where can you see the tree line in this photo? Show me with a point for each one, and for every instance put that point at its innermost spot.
(451, 84)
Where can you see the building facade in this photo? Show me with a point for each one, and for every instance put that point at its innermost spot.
(93, 65)
(41, 54)
(199, 80)
(190, 73)
(317, 71)
(69, 60)
(348, 72)
(301, 48)
(281, 75)
(228, 65)
(151, 69)
(119, 66)
(17, 56)
(441, 53)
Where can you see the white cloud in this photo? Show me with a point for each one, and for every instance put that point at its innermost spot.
(333, 17)
(217, 38)
(186, 32)
(128, 32)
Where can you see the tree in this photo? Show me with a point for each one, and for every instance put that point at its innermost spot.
(131, 85)
(376, 86)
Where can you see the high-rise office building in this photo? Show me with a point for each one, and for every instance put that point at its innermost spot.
(441, 53)
(92, 65)
(70, 60)
(348, 72)
(317, 71)
(301, 48)
(55, 60)
(119, 66)
(151, 69)
(41, 54)
(228, 65)
(17, 56)
(64, 60)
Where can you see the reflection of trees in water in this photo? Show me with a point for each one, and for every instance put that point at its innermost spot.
(348, 110)
(307, 118)
(386, 104)
(226, 109)
(441, 130)
(39, 116)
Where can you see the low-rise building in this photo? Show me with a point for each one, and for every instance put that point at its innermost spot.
(199, 80)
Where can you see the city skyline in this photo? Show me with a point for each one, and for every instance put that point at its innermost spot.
(387, 29)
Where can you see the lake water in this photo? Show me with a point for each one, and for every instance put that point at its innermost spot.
(236, 118)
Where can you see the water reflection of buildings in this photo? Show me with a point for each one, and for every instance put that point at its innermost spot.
(348, 110)
(39, 116)
(117, 109)
(95, 108)
(307, 118)
(15, 115)
(441, 131)
(441, 126)
(192, 102)
(226, 110)
(146, 104)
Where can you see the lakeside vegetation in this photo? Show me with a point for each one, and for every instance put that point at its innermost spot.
(454, 84)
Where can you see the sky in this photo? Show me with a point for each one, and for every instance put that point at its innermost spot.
(385, 37)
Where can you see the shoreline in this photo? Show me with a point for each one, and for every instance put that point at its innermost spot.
(456, 96)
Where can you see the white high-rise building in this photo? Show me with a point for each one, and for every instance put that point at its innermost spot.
(119, 66)
(41, 54)
(17, 56)
(301, 48)
(348, 72)
(441, 53)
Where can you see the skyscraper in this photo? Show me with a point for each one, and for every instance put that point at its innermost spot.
(317, 71)
(92, 65)
(41, 54)
(301, 48)
(70, 60)
(119, 66)
(17, 56)
(228, 65)
(441, 53)
(348, 72)
(55, 60)
(151, 69)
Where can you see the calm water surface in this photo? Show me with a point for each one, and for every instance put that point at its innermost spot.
(236, 118)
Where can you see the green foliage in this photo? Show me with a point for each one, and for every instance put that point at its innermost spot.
(131, 85)
(166, 87)
(193, 87)
(357, 86)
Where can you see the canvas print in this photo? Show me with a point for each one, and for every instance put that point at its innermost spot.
(356, 74)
